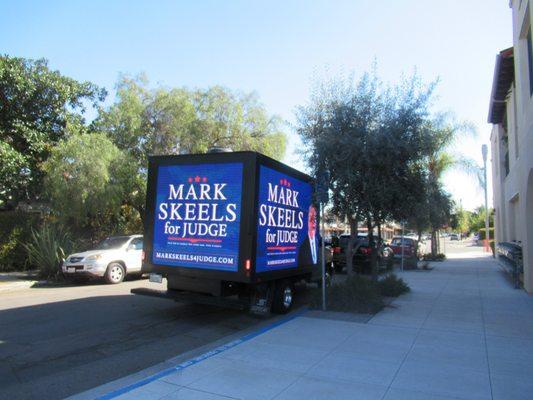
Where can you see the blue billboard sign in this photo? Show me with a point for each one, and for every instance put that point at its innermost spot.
(287, 235)
(197, 216)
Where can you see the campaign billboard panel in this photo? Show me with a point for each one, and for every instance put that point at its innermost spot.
(197, 216)
(287, 235)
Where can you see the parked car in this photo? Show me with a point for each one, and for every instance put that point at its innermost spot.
(361, 254)
(454, 236)
(113, 259)
(410, 250)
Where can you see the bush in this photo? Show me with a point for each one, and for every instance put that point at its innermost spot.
(356, 294)
(481, 233)
(438, 257)
(46, 248)
(392, 286)
(15, 227)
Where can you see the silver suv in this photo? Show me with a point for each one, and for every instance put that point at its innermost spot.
(113, 259)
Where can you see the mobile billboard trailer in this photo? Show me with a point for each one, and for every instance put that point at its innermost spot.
(236, 229)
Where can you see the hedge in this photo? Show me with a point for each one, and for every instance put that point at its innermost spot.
(15, 227)
(481, 233)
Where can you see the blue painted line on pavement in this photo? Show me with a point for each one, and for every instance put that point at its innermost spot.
(200, 358)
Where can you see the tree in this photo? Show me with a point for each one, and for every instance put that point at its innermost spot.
(87, 179)
(372, 142)
(144, 122)
(442, 157)
(440, 205)
(460, 219)
(477, 219)
(35, 105)
(177, 121)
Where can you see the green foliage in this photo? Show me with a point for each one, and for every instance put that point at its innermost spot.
(482, 233)
(15, 228)
(356, 294)
(36, 105)
(392, 286)
(477, 219)
(176, 121)
(46, 248)
(87, 179)
(371, 141)
(12, 165)
(436, 257)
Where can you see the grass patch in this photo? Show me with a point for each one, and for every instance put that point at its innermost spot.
(392, 286)
(359, 294)
(356, 294)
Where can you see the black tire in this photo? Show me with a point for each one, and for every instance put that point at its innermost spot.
(115, 273)
(283, 297)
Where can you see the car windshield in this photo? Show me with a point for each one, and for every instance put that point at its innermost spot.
(345, 239)
(398, 242)
(112, 243)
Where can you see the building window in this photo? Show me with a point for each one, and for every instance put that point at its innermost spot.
(505, 144)
(515, 127)
(530, 60)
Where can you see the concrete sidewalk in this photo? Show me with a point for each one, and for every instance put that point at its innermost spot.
(462, 333)
(16, 280)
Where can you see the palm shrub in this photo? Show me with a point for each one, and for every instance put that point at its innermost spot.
(46, 248)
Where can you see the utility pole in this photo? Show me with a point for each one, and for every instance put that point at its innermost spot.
(403, 228)
(323, 258)
(484, 151)
(323, 197)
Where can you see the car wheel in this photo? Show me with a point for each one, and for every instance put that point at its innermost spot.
(115, 273)
(283, 297)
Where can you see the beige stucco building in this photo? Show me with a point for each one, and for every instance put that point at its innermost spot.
(511, 113)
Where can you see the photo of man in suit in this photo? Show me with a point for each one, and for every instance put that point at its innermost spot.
(308, 254)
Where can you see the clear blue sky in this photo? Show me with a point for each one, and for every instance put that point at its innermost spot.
(275, 48)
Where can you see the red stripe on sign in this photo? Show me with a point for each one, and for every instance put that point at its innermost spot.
(282, 248)
(193, 240)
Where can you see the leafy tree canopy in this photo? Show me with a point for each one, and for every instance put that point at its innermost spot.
(87, 179)
(172, 121)
(35, 105)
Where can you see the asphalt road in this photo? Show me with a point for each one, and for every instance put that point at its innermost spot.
(55, 342)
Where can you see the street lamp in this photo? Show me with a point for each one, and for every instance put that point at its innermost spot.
(484, 151)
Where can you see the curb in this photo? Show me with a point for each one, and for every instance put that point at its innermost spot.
(14, 285)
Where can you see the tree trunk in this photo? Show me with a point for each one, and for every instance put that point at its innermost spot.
(433, 243)
(351, 244)
(372, 246)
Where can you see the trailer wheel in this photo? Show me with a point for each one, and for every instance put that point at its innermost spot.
(283, 297)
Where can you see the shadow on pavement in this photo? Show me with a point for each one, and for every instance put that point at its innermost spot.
(64, 347)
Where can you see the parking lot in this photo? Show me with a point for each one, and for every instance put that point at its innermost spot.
(63, 340)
